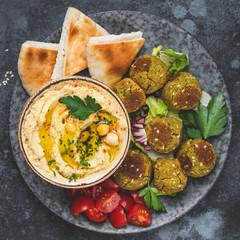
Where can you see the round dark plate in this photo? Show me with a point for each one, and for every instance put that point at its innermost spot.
(156, 31)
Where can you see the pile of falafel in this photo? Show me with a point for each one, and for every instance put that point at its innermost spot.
(194, 157)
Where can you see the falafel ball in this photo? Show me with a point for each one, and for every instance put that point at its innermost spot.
(182, 92)
(164, 133)
(197, 157)
(169, 177)
(132, 96)
(150, 73)
(135, 171)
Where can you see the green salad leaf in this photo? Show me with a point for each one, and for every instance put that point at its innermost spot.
(175, 61)
(80, 109)
(174, 114)
(156, 107)
(207, 121)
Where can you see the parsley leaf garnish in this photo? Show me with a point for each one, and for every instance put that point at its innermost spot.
(80, 109)
(207, 121)
(50, 162)
(84, 163)
(66, 151)
(194, 133)
(150, 197)
(73, 177)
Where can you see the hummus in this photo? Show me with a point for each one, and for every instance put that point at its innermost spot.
(65, 148)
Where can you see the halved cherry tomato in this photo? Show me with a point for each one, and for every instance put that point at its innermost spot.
(110, 184)
(84, 191)
(118, 218)
(81, 204)
(71, 192)
(136, 198)
(95, 215)
(126, 202)
(96, 191)
(139, 215)
(108, 201)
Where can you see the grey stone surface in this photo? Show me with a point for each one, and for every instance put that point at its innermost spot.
(215, 25)
(201, 65)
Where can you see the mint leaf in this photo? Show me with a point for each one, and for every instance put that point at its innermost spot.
(78, 108)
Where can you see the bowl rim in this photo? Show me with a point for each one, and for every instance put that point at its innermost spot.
(45, 87)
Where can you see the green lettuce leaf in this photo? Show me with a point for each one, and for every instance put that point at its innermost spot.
(175, 61)
(156, 106)
(174, 114)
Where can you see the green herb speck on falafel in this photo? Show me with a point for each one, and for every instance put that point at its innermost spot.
(197, 157)
(169, 177)
(150, 73)
(182, 92)
(164, 134)
(135, 171)
(132, 96)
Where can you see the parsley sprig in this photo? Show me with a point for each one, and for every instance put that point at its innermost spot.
(207, 121)
(150, 197)
(80, 109)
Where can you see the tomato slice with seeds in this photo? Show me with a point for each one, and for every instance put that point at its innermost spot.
(118, 217)
(110, 184)
(95, 215)
(136, 198)
(139, 215)
(108, 201)
(126, 202)
(96, 191)
(81, 204)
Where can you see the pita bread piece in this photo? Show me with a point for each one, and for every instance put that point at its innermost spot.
(109, 57)
(76, 32)
(35, 64)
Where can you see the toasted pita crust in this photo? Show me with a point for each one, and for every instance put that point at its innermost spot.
(35, 64)
(110, 57)
(77, 30)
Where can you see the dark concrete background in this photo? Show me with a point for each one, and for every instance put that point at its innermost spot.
(216, 25)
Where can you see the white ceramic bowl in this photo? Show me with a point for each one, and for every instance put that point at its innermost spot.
(92, 181)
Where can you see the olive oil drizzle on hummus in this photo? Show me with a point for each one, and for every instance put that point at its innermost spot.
(45, 140)
(75, 151)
